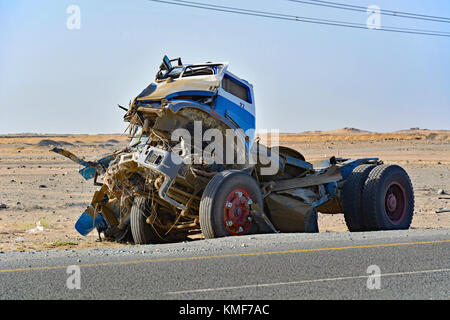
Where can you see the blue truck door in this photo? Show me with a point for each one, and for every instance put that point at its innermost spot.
(235, 99)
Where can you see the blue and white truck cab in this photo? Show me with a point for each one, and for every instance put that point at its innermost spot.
(209, 87)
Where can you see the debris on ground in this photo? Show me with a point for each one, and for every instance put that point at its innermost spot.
(39, 227)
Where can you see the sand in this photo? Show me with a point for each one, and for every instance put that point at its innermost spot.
(41, 186)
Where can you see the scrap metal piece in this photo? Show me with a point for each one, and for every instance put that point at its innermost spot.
(299, 163)
(71, 156)
(306, 195)
(166, 163)
(332, 174)
(89, 220)
(91, 168)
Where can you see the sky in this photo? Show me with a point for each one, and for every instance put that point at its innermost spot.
(306, 77)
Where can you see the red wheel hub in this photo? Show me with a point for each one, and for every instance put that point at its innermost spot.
(395, 202)
(236, 212)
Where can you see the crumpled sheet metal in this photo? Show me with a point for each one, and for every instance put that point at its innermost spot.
(207, 83)
(90, 167)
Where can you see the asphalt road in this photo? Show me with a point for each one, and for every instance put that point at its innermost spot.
(413, 264)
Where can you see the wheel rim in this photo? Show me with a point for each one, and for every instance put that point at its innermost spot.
(236, 212)
(395, 202)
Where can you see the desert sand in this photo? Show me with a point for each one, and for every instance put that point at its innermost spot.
(38, 186)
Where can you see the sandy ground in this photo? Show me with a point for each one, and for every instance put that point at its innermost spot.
(41, 186)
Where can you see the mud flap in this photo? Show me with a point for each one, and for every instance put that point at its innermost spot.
(291, 215)
(311, 224)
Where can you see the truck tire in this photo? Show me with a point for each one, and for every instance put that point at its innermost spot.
(352, 194)
(224, 207)
(142, 232)
(388, 199)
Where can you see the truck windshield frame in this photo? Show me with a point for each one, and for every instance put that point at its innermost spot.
(191, 71)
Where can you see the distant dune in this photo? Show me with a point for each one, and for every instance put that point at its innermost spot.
(62, 139)
(344, 134)
(353, 134)
(421, 131)
(343, 131)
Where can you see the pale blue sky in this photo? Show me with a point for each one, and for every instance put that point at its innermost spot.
(306, 77)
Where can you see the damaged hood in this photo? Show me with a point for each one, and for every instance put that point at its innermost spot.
(183, 85)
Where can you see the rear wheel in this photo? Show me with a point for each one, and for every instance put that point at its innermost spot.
(225, 205)
(352, 195)
(388, 199)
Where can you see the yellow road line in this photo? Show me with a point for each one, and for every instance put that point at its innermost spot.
(226, 255)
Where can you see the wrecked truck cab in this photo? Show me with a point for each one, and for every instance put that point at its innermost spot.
(193, 166)
(209, 87)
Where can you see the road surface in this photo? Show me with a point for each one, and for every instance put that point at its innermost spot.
(413, 264)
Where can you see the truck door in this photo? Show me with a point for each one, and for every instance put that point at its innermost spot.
(236, 97)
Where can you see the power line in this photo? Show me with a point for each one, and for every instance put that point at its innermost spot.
(400, 14)
(279, 16)
(384, 10)
(359, 25)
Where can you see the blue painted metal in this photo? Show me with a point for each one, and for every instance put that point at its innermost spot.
(189, 93)
(147, 91)
(177, 105)
(167, 62)
(299, 163)
(244, 119)
(70, 155)
(320, 201)
(347, 167)
(86, 223)
(89, 171)
(90, 168)
(231, 114)
(331, 188)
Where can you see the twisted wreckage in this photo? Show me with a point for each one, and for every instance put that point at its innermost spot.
(174, 179)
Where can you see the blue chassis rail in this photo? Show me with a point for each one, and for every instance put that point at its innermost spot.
(346, 167)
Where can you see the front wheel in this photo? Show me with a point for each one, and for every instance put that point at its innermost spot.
(225, 205)
(145, 233)
(142, 232)
(388, 199)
